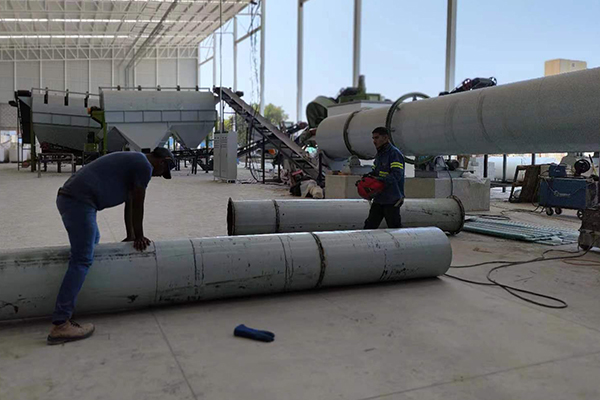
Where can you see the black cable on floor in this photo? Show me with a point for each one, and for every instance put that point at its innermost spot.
(514, 290)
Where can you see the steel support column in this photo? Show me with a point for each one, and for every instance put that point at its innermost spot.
(263, 17)
(356, 47)
(504, 162)
(214, 60)
(451, 45)
(485, 165)
(235, 53)
(89, 76)
(156, 70)
(177, 70)
(112, 69)
(199, 69)
(300, 60)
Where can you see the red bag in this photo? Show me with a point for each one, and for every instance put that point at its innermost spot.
(369, 187)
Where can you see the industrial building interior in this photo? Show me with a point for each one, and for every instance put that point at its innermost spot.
(261, 279)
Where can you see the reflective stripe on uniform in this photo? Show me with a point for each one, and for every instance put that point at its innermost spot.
(383, 173)
(397, 164)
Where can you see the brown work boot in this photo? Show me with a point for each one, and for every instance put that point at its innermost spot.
(69, 331)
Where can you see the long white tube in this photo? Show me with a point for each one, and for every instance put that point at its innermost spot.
(251, 217)
(553, 114)
(210, 268)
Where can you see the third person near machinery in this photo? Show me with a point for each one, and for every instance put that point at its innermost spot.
(388, 167)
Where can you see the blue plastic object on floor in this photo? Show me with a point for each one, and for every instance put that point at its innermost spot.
(254, 334)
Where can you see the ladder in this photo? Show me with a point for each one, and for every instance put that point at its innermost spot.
(269, 132)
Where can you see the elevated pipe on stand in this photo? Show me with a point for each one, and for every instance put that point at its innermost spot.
(190, 270)
(552, 114)
(252, 217)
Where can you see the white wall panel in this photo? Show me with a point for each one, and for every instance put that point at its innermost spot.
(81, 76)
(77, 76)
(28, 75)
(53, 75)
(7, 81)
(188, 72)
(8, 117)
(146, 73)
(167, 73)
(101, 74)
(119, 74)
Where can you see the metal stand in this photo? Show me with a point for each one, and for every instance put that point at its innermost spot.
(504, 161)
(320, 179)
(262, 162)
(59, 158)
(485, 165)
(207, 159)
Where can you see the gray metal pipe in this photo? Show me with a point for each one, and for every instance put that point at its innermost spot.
(190, 270)
(552, 114)
(253, 217)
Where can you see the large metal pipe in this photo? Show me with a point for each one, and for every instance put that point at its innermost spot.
(553, 114)
(253, 217)
(210, 268)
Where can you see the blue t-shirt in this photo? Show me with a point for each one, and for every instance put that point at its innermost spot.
(106, 182)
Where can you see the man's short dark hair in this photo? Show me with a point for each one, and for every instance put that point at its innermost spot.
(381, 130)
(162, 152)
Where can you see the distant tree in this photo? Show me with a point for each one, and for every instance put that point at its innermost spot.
(242, 128)
(273, 114)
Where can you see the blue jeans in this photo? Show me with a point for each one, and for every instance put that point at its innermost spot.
(80, 221)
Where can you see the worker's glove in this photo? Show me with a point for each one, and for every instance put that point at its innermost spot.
(254, 334)
(399, 203)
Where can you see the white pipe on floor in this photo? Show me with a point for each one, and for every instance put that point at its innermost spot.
(190, 270)
(252, 217)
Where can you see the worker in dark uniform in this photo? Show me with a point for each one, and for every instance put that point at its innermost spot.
(114, 179)
(389, 168)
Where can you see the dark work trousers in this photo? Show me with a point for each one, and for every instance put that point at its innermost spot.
(378, 212)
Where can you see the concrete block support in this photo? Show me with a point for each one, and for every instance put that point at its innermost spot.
(341, 186)
(474, 194)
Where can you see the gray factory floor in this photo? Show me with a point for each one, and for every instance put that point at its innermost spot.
(430, 339)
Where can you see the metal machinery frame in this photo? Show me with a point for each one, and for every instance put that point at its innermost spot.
(121, 31)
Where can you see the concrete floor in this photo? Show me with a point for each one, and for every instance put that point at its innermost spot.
(430, 339)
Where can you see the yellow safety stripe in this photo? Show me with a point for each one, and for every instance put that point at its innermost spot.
(383, 173)
(397, 165)
(373, 166)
